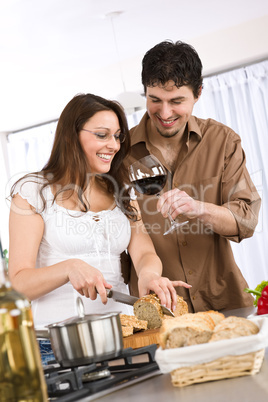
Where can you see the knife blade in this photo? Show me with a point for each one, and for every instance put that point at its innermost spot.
(130, 300)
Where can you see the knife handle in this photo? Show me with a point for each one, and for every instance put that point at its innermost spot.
(109, 293)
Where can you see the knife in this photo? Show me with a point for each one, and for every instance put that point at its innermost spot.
(130, 300)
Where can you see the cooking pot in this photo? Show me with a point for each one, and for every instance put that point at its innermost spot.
(87, 338)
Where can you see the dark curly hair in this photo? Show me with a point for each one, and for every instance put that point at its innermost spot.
(68, 166)
(168, 61)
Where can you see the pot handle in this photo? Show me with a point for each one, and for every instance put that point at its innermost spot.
(42, 333)
(80, 307)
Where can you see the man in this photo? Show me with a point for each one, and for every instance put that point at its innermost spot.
(208, 183)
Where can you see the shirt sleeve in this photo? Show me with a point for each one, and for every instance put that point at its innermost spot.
(239, 194)
(29, 189)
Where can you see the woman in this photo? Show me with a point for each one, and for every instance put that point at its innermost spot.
(73, 219)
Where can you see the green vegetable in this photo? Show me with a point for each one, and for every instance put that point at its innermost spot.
(257, 291)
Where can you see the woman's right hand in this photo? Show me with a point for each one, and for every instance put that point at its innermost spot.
(87, 280)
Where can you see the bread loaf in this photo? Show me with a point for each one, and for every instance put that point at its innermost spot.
(188, 329)
(233, 327)
(149, 308)
(202, 327)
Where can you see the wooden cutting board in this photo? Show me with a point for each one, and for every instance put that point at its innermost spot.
(142, 338)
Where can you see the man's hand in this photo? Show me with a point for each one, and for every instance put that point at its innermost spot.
(177, 202)
(162, 286)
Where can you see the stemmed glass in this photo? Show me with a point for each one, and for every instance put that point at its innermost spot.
(149, 177)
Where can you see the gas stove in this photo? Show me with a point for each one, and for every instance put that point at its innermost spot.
(92, 381)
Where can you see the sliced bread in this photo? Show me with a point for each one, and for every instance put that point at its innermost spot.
(233, 327)
(127, 331)
(188, 329)
(148, 308)
(132, 321)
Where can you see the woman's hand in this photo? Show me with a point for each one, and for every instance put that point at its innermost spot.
(87, 280)
(163, 287)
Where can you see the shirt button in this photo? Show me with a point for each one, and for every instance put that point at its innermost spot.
(190, 272)
(184, 243)
(193, 297)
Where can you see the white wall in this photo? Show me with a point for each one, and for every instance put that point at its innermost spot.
(224, 49)
(4, 176)
(244, 43)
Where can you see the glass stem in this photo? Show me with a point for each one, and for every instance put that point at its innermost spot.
(169, 216)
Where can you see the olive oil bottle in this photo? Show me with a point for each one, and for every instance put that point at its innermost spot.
(21, 374)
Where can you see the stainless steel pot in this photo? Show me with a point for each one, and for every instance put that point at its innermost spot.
(87, 338)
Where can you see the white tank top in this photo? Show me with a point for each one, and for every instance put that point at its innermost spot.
(96, 238)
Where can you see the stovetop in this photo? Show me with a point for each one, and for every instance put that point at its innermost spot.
(98, 379)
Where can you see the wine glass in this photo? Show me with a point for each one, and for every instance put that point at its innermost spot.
(149, 177)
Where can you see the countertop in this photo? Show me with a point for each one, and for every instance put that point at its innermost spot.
(160, 389)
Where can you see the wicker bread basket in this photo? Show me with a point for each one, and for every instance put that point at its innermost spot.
(225, 367)
(215, 361)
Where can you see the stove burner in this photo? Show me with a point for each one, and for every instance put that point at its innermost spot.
(71, 384)
(96, 375)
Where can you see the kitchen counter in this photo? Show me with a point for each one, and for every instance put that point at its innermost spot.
(160, 389)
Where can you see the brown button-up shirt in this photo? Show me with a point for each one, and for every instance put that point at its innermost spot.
(210, 167)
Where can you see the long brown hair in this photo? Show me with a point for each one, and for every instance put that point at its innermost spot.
(67, 165)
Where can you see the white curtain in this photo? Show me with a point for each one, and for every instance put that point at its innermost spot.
(29, 150)
(239, 99)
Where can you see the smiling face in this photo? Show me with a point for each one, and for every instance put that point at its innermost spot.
(170, 108)
(98, 152)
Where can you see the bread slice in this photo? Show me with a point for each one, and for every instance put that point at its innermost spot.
(188, 329)
(233, 327)
(216, 316)
(181, 307)
(132, 321)
(127, 331)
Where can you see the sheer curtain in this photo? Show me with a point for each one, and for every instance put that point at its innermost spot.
(239, 99)
(29, 150)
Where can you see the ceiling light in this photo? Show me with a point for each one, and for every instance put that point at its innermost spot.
(131, 101)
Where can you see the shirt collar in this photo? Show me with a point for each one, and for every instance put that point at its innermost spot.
(138, 133)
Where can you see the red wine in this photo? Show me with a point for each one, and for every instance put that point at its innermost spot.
(150, 185)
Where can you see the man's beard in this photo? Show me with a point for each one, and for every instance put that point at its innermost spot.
(167, 134)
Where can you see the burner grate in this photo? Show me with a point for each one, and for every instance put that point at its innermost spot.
(71, 384)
